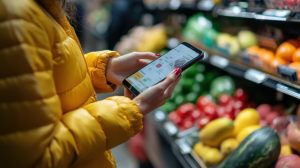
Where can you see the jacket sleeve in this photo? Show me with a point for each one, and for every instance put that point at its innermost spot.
(33, 130)
(96, 62)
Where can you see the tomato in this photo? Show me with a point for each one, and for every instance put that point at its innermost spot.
(185, 110)
(187, 124)
(210, 111)
(229, 108)
(239, 105)
(203, 101)
(202, 122)
(224, 99)
(196, 114)
(226, 112)
(236, 112)
(175, 118)
(221, 111)
(291, 3)
(241, 95)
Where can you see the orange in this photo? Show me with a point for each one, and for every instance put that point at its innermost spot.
(267, 57)
(276, 62)
(286, 51)
(253, 50)
(294, 42)
(296, 65)
(296, 55)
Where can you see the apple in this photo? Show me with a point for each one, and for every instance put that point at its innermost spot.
(293, 135)
(263, 123)
(271, 116)
(264, 110)
(246, 38)
(291, 161)
(280, 123)
(278, 109)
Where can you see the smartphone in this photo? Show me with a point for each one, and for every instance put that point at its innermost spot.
(182, 56)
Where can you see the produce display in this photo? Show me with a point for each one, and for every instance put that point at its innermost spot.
(287, 54)
(259, 150)
(244, 46)
(229, 122)
(143, 39)
(225, 122)
(202, 96)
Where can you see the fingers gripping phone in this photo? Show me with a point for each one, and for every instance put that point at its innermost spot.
(182, 56)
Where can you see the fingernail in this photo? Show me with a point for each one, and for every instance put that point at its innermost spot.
(157, 54)
(177, 71)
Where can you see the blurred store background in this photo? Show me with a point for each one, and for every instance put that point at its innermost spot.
(253, 62)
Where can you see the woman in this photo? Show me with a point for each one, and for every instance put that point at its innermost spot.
(49, 116)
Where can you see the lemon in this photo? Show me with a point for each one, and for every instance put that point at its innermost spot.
(229, 145)
(246, 118)
(247, 131)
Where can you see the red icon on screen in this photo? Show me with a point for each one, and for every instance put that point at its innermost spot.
(158, 65)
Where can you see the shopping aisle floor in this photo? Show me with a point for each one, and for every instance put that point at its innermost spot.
(123, 157)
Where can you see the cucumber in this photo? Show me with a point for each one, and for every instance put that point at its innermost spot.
(259, 150)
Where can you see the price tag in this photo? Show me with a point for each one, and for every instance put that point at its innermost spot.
(184, 147)
(277, 13)
(187, 132)
(218, 61)
(160, 116)
(255, 76)
(205, 5)
(289, 91)
(170, 128)
(265, 17)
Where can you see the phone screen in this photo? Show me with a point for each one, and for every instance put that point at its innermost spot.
(158, 69)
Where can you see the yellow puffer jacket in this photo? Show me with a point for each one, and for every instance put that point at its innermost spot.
(49, 116)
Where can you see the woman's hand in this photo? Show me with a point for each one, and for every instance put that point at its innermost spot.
(121, 67)
(157, 95)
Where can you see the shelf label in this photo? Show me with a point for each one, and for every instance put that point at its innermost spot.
(255, 76)
(206, 5)
(219, 61)
(187, 132)
(160, 116)
(284, 89)
(265, 17)
(184, 147)
(170, 128)
(277, 13)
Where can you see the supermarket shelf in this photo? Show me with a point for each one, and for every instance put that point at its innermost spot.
(181, 150)
(247, 72)
(254, 75)
(267, 15)
(234, 12)
(182, 8)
